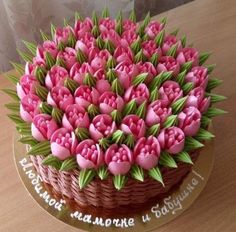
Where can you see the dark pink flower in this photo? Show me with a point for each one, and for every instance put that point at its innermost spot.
(80, 73)
(150, 47)
(47, 46)
(31, 67)
(129, 25)
(129, 36)
(62, 34)
(102, 84)
(169, 41)
(68, 56)
(153, 28)
(106, 24)
(95, 52)
(123, 54)
(147, 67)
(188, 54)
(85, 43)
(112, 36)
(168, 63)
(83, 27)
(74, 69)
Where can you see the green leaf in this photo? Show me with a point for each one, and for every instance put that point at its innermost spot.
(117, 87)
(104, 143)
(159, 39)
(205, 121)
(140, 57)
(93, 110)
(80, 56)
(141, 110)
(53, 30)
(167, 160)
(105, 13)
(109, 46)
(210, 68)
(137, 173)
(30, 46)
(213, 83)
(116, 116)
(40, 74)
(82, 133)
(146, 20)
(159, 79)
(95, 18)
(61, 46)
(103, 172)
(57, 115)
(153, 130)
(215, 97)
(25, 56)
(18, 67)
(85, 177)
(111, 62)
(170, 121)
(155, 173)
(14, 106)
(45, 108)
(41, 148)
(154, 59)
(42, 92)
(15, 118)
(203, 57)
(118, 136)
(136, 46)
(178, 105)
(12, 93)
(139, 79)
(60, 62)
(71, 85)
(78, 16)
(44, 36)
(24, 128)
(186, 66)
(14, 79)
(71, 40)
(119, 181)
(183, 157)
(52, 161)
(100, 43)
(203, 135)
(119, 27)
(132, 16)
(172, 51)
(95, 31)
(187, 87)
(183, 41)
(212, 112)
(89, 80)
(181, 77)
(66, 22)
(163, 20)
(192, 144)
(175, 32)
(28, 140)
(153, 95)
(50, 60)
(111, 75)
(129, 141)
(130, 107)
(69, 164)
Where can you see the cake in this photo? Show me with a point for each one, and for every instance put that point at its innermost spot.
(113, 113)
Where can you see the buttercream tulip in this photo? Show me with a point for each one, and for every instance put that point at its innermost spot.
(102, 84)
(95, 52)
(29, 107)
(123, 54)
(147, 67)
(98, 63)
(119, 159)
(189, 120)
(129, 36)
(188, 54)
(85, 43)
(157, 113)
(133, 125)
(89, 155)
(112, 36)
(102, 126)
(63, 143)
(68, 56)
(168, 42)
(62, 34)
(129, 25)
(43, 126)
(75, 116)
(26, 85)
(85, 95)
(198, 76)
(106, 24)
(153, 28)
(172, 139)
(168, 63)
(170, 92)
(60, 97)
(56, 77)
(147, 152)
(110, 101)
(47, 46)
(81, 72)
(31, 67)
(74, 69)
(83, 27)
(150, 47)
(140, 93)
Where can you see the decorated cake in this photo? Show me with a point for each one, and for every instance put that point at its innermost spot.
(113, 112)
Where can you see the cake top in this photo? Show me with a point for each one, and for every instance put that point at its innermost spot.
(114, 97)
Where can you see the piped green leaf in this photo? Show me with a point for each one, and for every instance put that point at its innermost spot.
(183, 157)
(188, 87)
(111, 62)
(105, 13)
(14, 79)
(155, 173)
(215, 97)
(78, 16)
(183, 41)
(28, 140)
(52, 161)
(94, 18)
(130, 107)
(15, 118)
(57, 115)
(141, 110)
(109, 46)
(53, 30)
(93, 110)
(186, 66)
(50, 60)
(170, 121)
(117, 87)
(192, 144)
(85, 177)
(159, 39)
(167, 160)
(61, 62)
(71, 40)
(95, 31)
(178, 105)
(100, 43)
(80, 56)
(213, 112)
(82, 133)
(153, 95)
(40, 74)
(175, 32)
(71, 85)
(45, 108)
(132, 16)
(44, 36)
(12, 93)
(136, 46)
(210, 68)
(89, 80)
(31, 47)
(137, 173)
(13, 106)
(203, 57)
(104, 143)
(118, 136)
(205, 121)
(139, 79)
(69, 164)
(203, 135)
(154, 59)
(116, 116)
(119, 181)
(172, 51)
(18, 67)
(129, 141)
(180, 78)
(153, 130)
(41, 148)
(111, 75)
(103, 172)
(140, 57)
(41, 92)
(25, 56)
(213, 83)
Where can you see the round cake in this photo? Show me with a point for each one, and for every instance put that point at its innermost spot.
(113, 112)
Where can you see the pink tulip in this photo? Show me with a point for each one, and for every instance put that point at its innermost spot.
(189, 121)
(81, 72)
(106, 24)
(170, 92)
(74, 69)
(102, 84)
(29, 107)
(56, 77)
(119, 159)
(147, 67)
(62, 34)
(102, 54)
(172, 139)
(112, 36)
(26, 85)
(169, 41)
(102, 126)
(75, 116)
(68, 56)
(140, 93)
(47, 46)
(31, 67)
(123, 54)
(60, 97)
(129, 36)
(63, 143)
(133, 125)
(147, 152)
(149, 48)
(83, 27)
(98, 63)
(157, 113)
(85, 43)
(188, 54)
(129, 25)
(153, 28)
(85, 95)
(43, 126)
(89, 155)
(198, 76)
(168, 63)
(110, 101)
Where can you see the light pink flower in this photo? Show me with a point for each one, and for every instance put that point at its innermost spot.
(169, 41)
(81, 72)
(168, 63)
(188, 54)
(112, 36)
(119, 159)
(29, 107)
(189, 121)
(75, 116)
(123, 54)
(129, 25)
(85, 95)
(43, 126)
(172, 139)
(68, 56)
(198, 76)
(157, 113)
(102, 84)
(47, 46)
(102, 126)
(98, 63)
(83, 27)
(62, 34)
(153, 28)
(89, 154)
(74, 69)
(95, 52)
(110, 101)
(56, 77)
(31, 67)
(26, 85)
(147, 67)
(85, 43)
(106, 24)
(140, 93)
(129, 36)
(63, 143)
(150, 47)
(147, 152)
(133, 125)
(170, 92)
(60, 97)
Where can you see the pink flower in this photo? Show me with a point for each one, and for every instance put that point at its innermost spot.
(188, 54)
(81, 72)
(147, 67)
(189, 120)
(26, 85)
(62, 34)
(140, 93)
(168, 63)
(150, 47)
(29, 107)
(119, 159)
(110, 101)
(157, 113)
(37, 62)
(112, 36)
(74, 69)
(95, 52)
(198, 76)
(102, 126)
(134, 125)
(153, 28)
(75, 116)
(84, 96)
(172, 139)
(129, 36)
(123, 54)
(129, 25)
(83, 27)
(106, 24)
(98, 63)
(47, 46)
(63, 143)
(170, 92)
(102, 84)
(147, 152)
(56, 77)
(68, 56)
(89, 154)
(43, 126)
(169, 41)
(60, 97)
